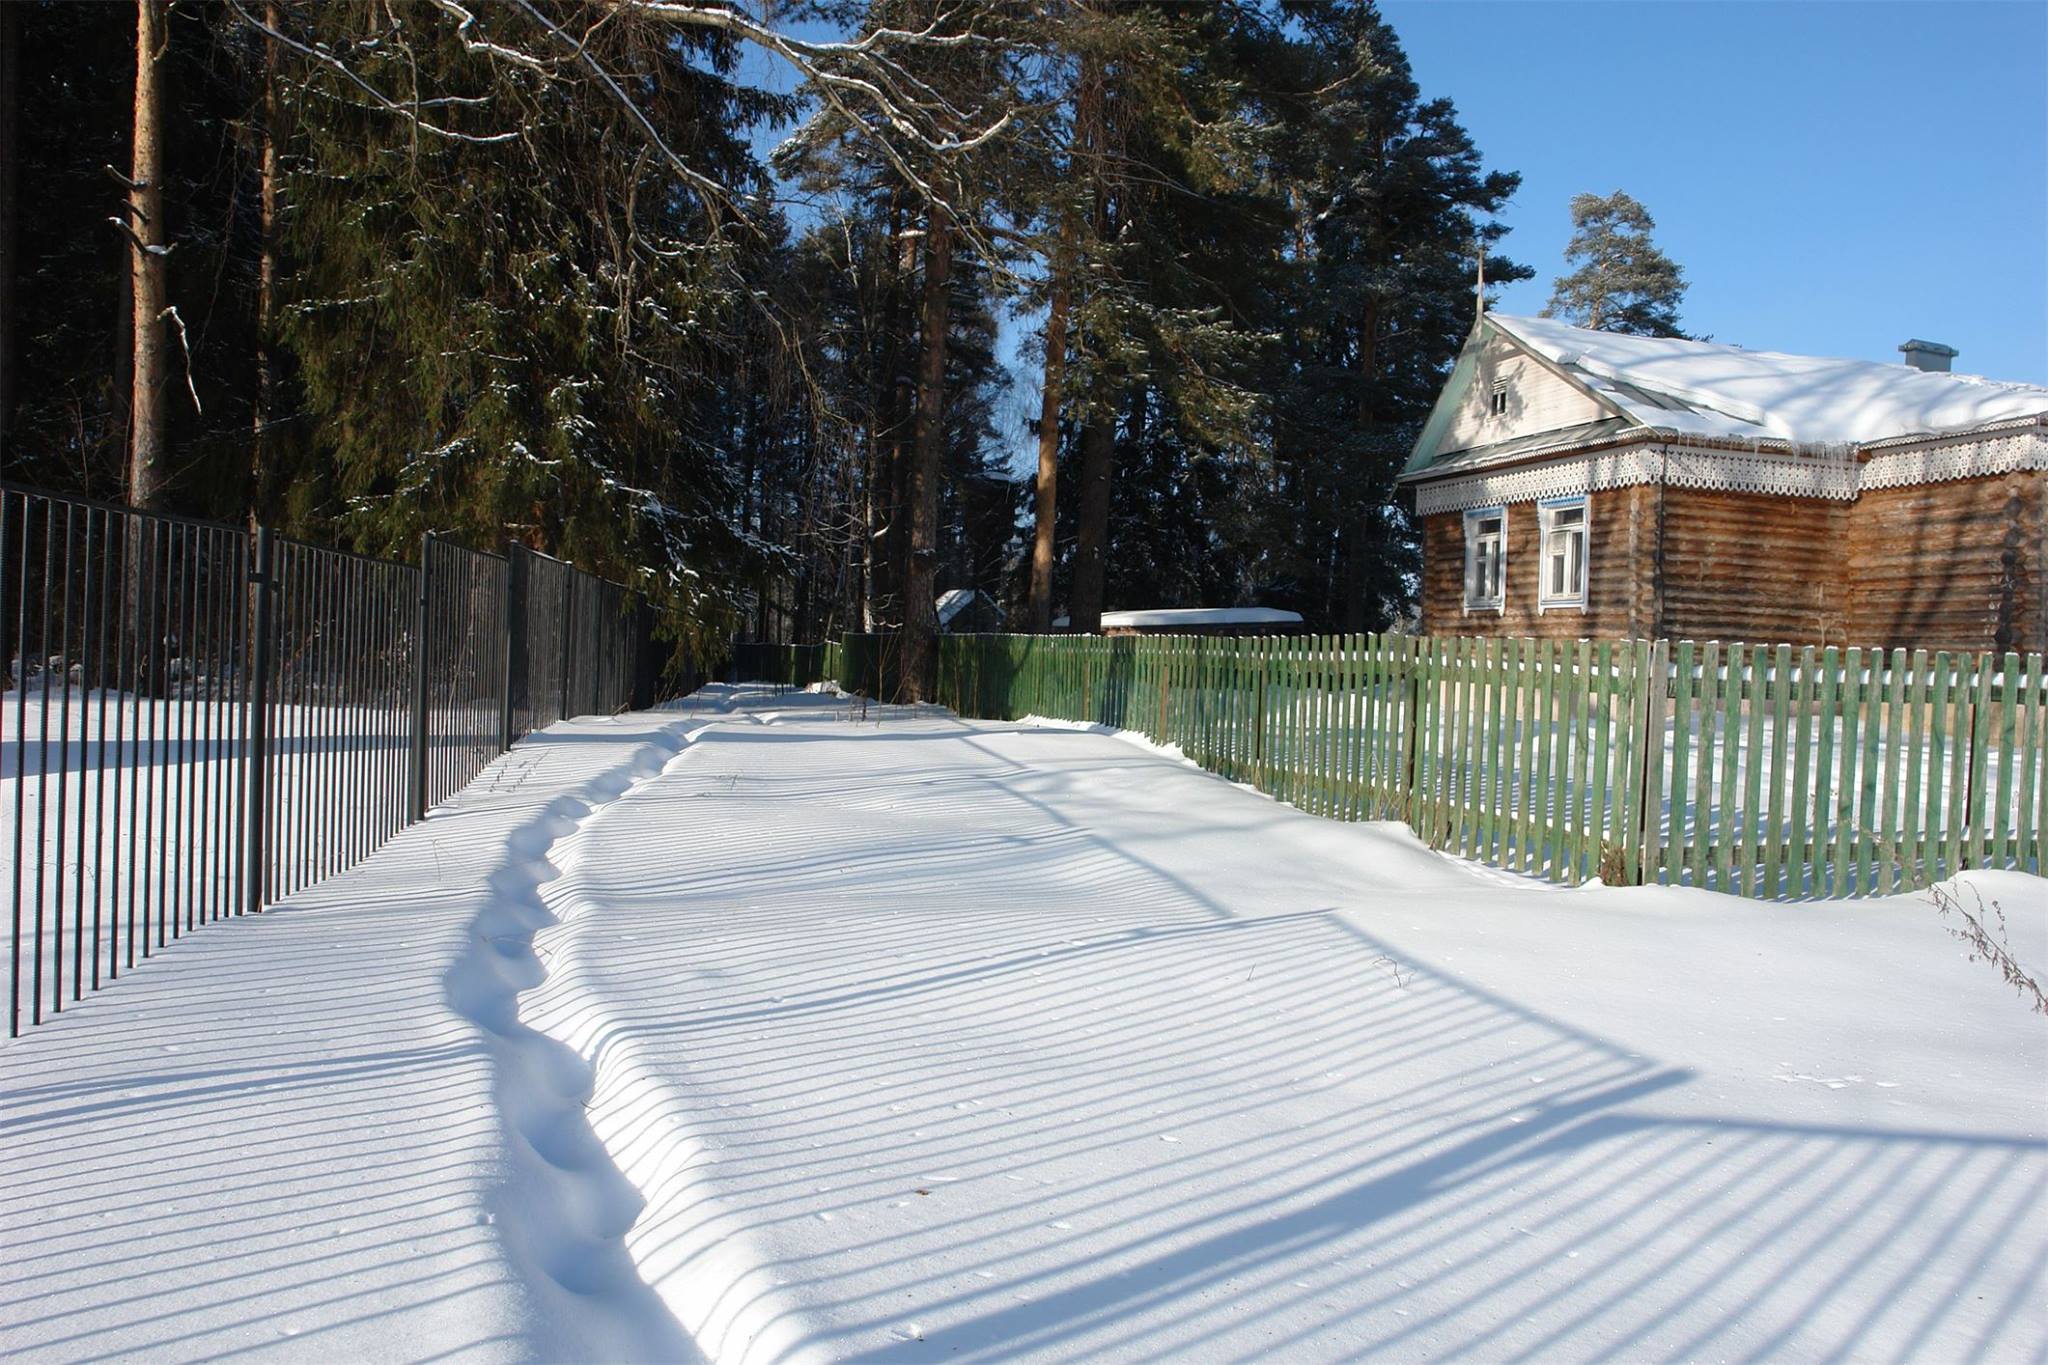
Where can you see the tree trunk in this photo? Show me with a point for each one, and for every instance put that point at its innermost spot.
(754, 510)
(10, 182)
(1049, 444)
(1098, 433)
(888, 539)
(146, 269)
(1360, 541)
(863, 608)
(1091, 548)
(920, 610)
(260, 473)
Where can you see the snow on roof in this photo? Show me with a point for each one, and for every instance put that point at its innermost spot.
(953, 601)
(1162, 617)
(1701, 388)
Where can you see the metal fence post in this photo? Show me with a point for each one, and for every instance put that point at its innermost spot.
(568, 639)
(515, 642)
(256, 786)
(416, 786)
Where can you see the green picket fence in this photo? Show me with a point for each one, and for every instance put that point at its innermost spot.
(1758, 770)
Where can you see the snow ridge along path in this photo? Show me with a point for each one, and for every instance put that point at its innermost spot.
(715, 1283)
(566, 1207)
(291, 1136)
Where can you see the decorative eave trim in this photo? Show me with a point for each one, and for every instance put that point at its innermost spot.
(1980, 454)
(1741, 445)
(2003, 426)
(1981, 457)
(1739, 471)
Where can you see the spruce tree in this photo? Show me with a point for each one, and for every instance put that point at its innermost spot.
(1623, 283)
(524, 337)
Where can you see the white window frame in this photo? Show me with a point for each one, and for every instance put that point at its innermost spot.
(1498, 603)
(1497, 399)
(1546, 517)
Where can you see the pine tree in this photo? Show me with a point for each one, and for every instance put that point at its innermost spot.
(1173, 253)
(269, 131)
(1623, 282)
(938, 204)
(148, 293)
(1387, 197)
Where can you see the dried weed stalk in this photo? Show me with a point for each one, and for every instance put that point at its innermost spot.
(1982, 930)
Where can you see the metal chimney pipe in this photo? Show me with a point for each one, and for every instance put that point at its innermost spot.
(1930, 356)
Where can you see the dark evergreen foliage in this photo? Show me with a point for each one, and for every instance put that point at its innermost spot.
(505, 312)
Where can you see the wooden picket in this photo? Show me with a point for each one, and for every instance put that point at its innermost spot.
(1755, 770)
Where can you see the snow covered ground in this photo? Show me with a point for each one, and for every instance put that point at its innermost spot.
(759, 1030)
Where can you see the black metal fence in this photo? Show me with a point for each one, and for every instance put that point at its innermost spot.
(200, 720)
(567, 630)
(866, 665)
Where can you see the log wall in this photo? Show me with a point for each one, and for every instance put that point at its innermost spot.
(1744, 566)
(1620, 596)
(1961, 565)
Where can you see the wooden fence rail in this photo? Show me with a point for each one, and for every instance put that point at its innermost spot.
(1763, 771)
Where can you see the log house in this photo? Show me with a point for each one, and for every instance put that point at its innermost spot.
(1576, 483)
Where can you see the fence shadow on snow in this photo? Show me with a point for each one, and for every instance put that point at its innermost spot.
(1503, 1183)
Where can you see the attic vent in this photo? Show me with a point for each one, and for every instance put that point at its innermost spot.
(1930, 356)
(1497, 402)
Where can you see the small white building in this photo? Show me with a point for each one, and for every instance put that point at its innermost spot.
(1198, 621)
(966, 611)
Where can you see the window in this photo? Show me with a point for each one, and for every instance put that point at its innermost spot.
(1499, 401)
(1486, 547)
(1564, 553)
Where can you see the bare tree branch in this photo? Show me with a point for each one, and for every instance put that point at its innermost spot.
(709, 191)
(184, 345)
(408, 112)
(466, 20)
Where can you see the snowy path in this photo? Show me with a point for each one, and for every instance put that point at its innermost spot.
(288, 1136)
(918, 1038)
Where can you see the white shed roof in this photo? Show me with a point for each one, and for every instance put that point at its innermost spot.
(956, 600)
(1165, 618)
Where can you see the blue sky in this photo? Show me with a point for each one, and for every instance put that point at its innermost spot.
(1833, 177)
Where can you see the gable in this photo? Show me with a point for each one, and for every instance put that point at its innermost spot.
(1539, 399)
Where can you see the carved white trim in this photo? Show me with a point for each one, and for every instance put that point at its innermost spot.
(1791, 476)
(1586, 473)
(1956, 460)
(1834, 476)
